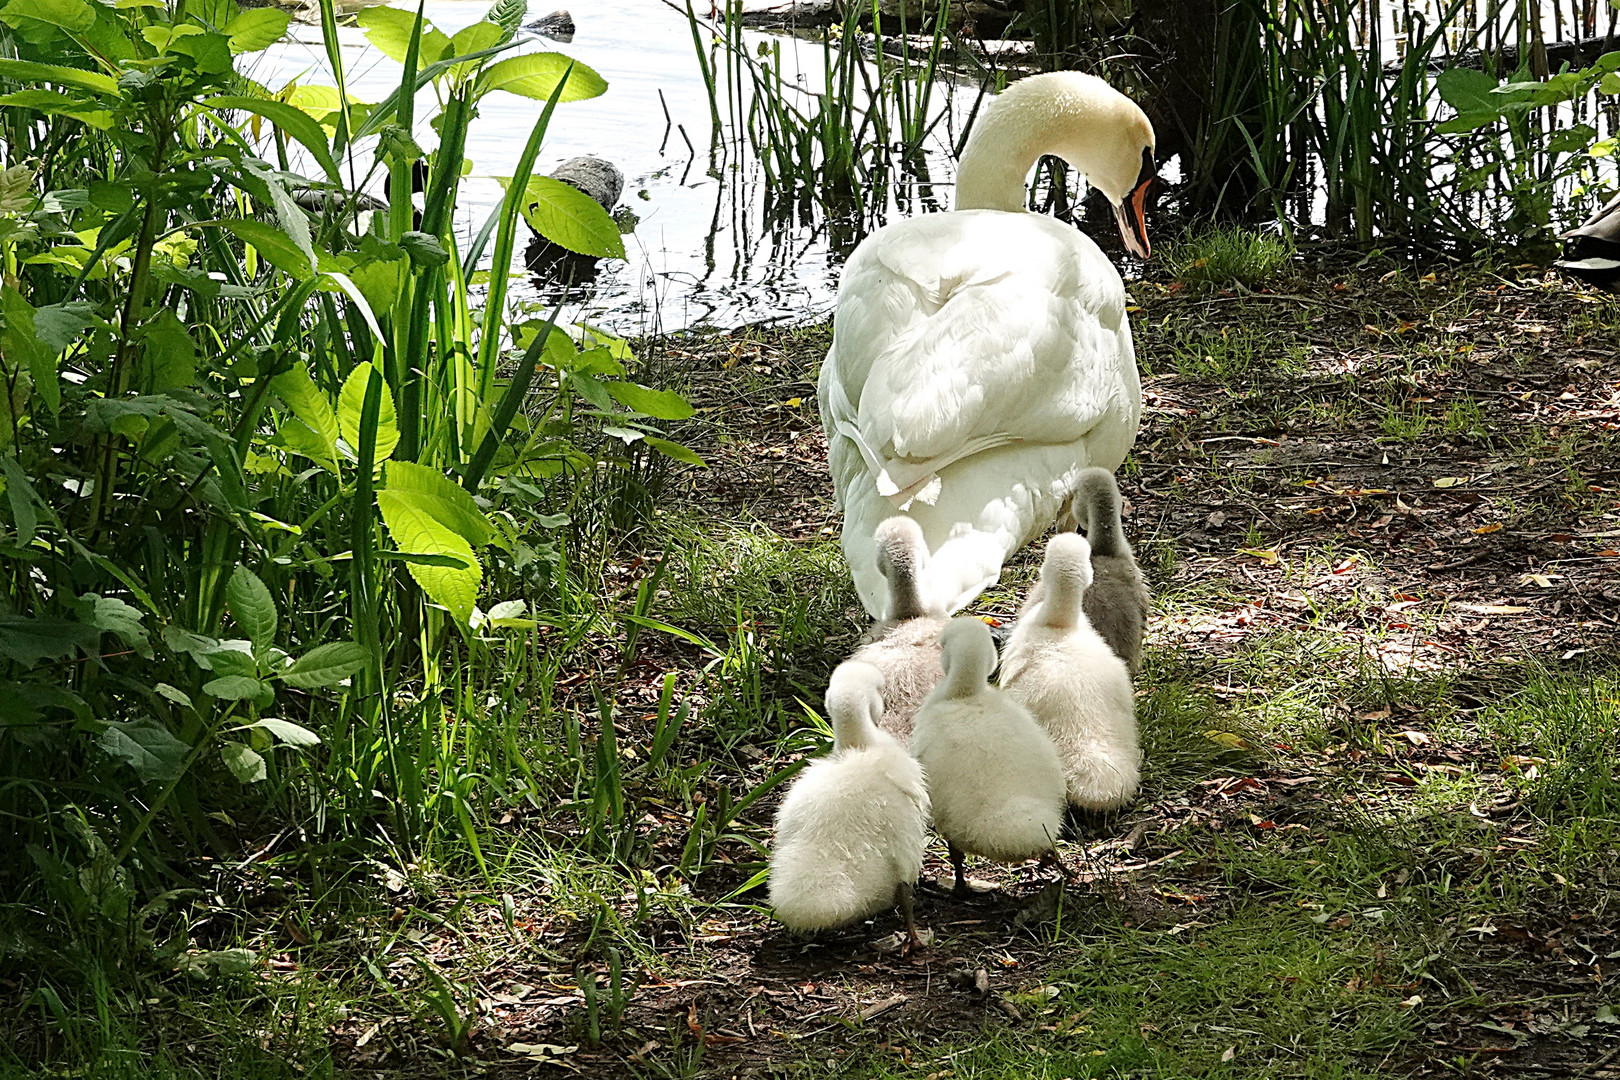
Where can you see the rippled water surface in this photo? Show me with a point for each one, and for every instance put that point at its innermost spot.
(702, 252)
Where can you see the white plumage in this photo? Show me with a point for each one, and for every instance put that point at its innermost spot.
(1062, 670)
(904, 644)
(982, 358)
(994, 777)
(850, 833)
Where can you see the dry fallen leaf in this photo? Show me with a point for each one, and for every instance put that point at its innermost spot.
(1450, 481)
(1418, 738)
(1483, 529)
(1541, 580)
(1493, 609)
(1269, 556)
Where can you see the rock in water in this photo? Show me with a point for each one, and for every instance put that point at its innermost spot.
(601, 181)
(558, 26)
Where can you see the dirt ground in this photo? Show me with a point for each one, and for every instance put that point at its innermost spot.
(1449, 439)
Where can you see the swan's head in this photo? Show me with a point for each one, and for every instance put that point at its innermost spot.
(967, 653)
(902, 559)
(1078, 117)
(854, 704)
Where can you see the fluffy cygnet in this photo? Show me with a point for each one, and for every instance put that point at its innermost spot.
(993, 775)
(850, 833)
(1061, 669)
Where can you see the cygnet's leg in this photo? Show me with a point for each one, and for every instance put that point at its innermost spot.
(913, 939)
(1053, 860)
(962, 888)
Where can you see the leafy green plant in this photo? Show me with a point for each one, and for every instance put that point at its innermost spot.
(284, 480)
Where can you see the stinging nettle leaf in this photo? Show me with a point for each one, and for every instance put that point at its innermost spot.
(351, 407)
(235, 688)
(244, 762)
(414, 528)
(658, 404)
(445, 499)
(257, 28)
(288, 732)
(326, 665)
(570, 218)
(146, 747)
(253, 608)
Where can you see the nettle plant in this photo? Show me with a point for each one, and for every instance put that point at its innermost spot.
(265, 453)
(1513, 138)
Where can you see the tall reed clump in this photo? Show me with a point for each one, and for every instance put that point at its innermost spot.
(281, 487)
(1339, 109)
(842, 149)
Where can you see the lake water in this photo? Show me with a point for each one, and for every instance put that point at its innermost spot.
(704, 252)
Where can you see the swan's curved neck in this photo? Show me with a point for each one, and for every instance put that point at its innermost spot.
(996, 164)
(1077, 118)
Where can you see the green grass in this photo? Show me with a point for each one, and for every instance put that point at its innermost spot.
(1224, 257)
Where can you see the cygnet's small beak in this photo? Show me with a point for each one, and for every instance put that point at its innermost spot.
(1132, 212)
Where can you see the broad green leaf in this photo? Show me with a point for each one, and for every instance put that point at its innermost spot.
(298, 391)
(658, 404)
(273, 244)
(297, 436)
(74, 16)
(508, 15)
(210, 52)
(174, 694)
(235, 688)
(257, 28)
(223, 662)
(111, 615)
(28, 73)
(28, 641)
(20, 341)
(351, 406)
(1467, 90)
(536, 75)
(447, 500)
(295, 122)
(53, 103)
(424, 249)
(253, 608)
(591, 389)
(389, 29)
(59, 326)
(243, 761)
(675, 450)
(146, 747)
(476, 38)
(570, 218)
(168, 356)
(326, 665)
(414, 529)
(288, 732)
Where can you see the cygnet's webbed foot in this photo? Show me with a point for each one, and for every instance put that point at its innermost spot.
(914, 939)
(961, 890)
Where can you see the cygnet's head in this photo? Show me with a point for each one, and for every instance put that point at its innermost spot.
(902, 559)
(968, 655)
(854, 704)
(1065, 577)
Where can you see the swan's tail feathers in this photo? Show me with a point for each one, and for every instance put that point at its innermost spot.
(1098, 510)
(963, 568)
(900, 480)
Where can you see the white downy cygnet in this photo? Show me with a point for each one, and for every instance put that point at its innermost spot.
(993, 775)
(904, 645)
(1062, 670)
(850, 833)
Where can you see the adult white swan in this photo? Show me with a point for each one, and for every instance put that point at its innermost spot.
(982, 359)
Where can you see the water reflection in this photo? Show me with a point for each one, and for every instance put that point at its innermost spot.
(707, 248)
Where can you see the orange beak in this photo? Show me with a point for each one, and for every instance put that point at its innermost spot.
(1132, 213)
